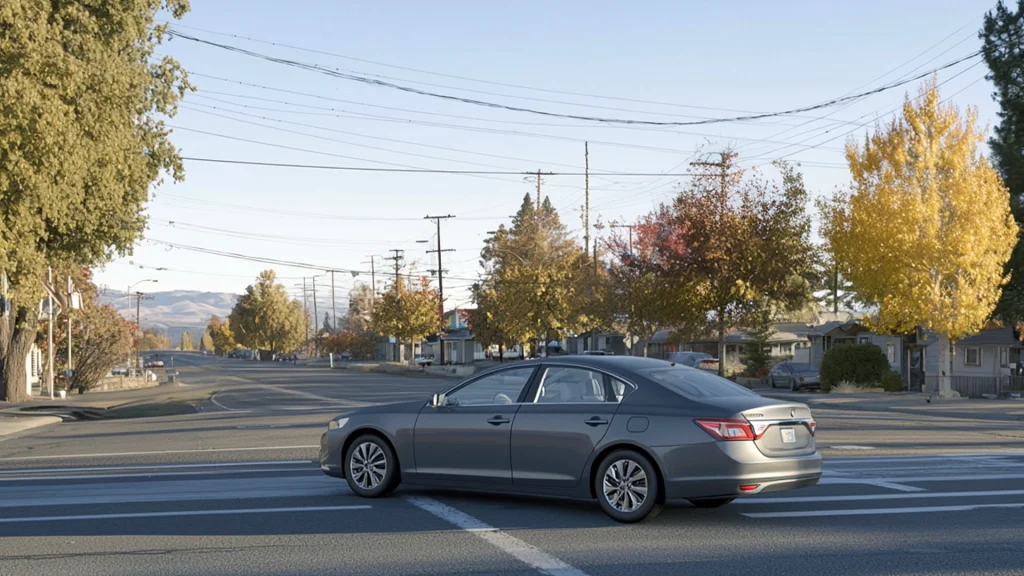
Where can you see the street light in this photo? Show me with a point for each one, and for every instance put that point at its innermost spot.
(128, 311)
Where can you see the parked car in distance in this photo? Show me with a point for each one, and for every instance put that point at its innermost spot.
(700, 360)
(119, 371)
(424, 360)
(155, 364)
(794, 375)
(346, 355)
(629, 432)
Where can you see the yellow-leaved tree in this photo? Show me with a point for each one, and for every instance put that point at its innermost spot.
(925, 229)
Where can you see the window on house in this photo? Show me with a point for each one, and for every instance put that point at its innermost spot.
(865, 339)
(890, 353)
(972, 356)
(1004, 357)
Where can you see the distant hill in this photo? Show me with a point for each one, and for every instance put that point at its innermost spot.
(176, 311)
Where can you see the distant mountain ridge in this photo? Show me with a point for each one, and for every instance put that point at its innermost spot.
(175, 311)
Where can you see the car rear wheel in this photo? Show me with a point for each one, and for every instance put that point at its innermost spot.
(627, 486)
(711, 502)
(371, 467)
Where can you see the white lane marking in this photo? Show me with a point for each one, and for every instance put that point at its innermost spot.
(314, 396)
(870, 497)
(871, 482)
(221, 406)
(882, 511)
(177, 513)
(150, 453)
(158, 467)
(850, 447)
(152, 474)
(525, 553)
(954, 456)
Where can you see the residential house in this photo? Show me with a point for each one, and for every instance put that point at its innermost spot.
(830, 334)
(457, 339)
(613, 342)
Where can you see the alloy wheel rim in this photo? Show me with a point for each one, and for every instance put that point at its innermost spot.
(625, 485)
(368, 465)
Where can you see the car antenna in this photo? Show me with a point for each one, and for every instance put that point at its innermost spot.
(672, 364)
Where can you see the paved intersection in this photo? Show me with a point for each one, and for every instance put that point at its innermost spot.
(235, 491)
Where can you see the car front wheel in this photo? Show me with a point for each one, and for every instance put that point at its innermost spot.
(371, 467)
(627, 486)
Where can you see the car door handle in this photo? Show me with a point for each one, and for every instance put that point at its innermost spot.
(498, 420)
(595, 421)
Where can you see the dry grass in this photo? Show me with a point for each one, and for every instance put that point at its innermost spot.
(851, 388)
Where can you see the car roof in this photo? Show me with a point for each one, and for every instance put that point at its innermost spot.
(609, 362)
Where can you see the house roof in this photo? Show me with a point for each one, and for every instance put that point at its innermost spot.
(995, 337)
(829, 327)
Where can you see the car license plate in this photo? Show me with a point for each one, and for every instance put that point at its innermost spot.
(788, 435)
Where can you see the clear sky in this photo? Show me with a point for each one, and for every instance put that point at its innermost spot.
(651, 60)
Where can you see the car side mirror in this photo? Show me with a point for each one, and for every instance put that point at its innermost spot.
(438, 400)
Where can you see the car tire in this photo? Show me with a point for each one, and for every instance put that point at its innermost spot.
(624, 464)
(771, 380)
(792, 385)
(711, 502)
(371, 467)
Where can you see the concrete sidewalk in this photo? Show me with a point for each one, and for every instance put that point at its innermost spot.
(11, 425)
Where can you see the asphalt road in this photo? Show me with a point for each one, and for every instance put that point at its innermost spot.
(233, 490)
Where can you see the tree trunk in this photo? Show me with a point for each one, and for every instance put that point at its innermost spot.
(15, 344)
(721, 343)
(501, 353)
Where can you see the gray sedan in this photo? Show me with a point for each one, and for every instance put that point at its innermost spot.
(630, 432)
(794, 375)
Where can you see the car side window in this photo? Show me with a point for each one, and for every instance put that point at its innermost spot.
(620, 389)
(563, 384)
(499, 388)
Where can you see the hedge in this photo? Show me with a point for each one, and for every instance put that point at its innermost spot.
(862, 364)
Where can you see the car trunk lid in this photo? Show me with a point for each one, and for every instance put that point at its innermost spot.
(782, 429)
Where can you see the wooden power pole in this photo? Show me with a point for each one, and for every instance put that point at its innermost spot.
(440, 270)
(586, 197)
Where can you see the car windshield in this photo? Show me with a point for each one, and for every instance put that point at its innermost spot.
(695, 384)
(802, 368)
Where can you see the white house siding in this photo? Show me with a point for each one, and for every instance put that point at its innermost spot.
(989, 364)
(892, 348)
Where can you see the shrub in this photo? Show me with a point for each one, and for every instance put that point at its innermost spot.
(892, 381)
(861, 364)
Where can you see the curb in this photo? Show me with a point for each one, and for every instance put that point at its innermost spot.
(14, 426)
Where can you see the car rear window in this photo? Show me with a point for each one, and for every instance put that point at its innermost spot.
(695, 384)
(803, 368)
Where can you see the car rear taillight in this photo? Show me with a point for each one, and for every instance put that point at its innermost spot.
(813, 426)
(728, 429)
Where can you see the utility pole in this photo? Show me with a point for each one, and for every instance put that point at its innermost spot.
(49, 332)
(316, 322)
(538, 188)
(440, 269)
(586, 196)
(334, 305)
(305, 314)
(398, 258)
(723, 205)
(70, 298)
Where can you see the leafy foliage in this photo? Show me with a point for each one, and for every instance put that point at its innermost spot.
(360, 309)
(264, 318)
(926, 228)
(862, 364)
(81, 142)
(892, 381)
(221, 336)
(153, 340)
(409, 313)
(362, 346)
(1002, 38)
(187, 343)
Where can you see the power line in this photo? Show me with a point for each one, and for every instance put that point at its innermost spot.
(384, 84)
(296, 213)
(395, 170)
(468, 79)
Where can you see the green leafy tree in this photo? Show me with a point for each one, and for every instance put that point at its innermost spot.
(206, 342)
(153, 340)
(264, 318)
(408, 313)
(735, 248)
(82, 142)
(539, 277)
(220, 334)
(1002, 38)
